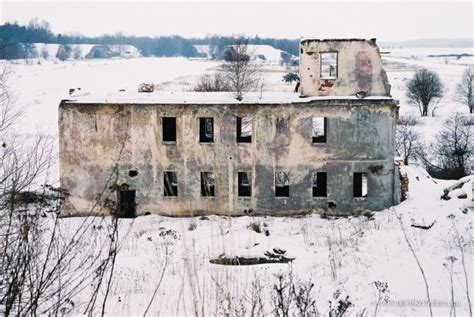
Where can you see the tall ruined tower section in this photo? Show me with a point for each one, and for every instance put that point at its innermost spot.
(343, 67)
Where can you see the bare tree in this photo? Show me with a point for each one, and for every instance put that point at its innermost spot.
(242, 73)
(453, 150)
(423, 88)
(464, 93)
(39, 260)
(408, 142)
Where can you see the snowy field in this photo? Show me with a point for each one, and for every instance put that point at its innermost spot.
(340, 256)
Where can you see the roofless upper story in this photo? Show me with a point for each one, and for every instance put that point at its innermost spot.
(342, 67)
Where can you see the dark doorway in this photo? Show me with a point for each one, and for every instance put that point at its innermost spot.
(126, 207)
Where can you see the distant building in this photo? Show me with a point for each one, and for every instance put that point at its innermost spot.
(329, 148)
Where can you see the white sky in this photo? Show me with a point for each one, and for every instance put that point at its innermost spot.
(387, 21)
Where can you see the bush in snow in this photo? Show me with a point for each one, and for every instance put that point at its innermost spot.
(290, 77)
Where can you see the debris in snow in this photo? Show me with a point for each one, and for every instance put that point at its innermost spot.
(423, 227)
(456, 190)
(144, 87)
(270, 258)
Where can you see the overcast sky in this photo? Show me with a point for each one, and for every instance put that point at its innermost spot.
(387, 21)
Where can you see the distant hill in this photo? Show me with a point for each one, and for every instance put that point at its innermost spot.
(429, 43)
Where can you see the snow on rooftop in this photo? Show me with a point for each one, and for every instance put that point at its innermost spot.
(313, 38)
(165, 97)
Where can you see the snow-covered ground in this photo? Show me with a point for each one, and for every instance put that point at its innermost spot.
(344, 255)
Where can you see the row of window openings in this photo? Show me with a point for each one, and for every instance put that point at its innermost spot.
(243, 128)
(282, 184)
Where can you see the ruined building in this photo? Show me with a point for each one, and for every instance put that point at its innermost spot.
(329, 148)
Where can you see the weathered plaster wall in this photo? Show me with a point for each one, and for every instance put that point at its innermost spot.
(359, 69)
(96, 137)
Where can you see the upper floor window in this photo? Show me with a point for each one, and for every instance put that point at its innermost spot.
(169, 129)
(328, 65)
(206, 130)
(319, 129)
(244, 130)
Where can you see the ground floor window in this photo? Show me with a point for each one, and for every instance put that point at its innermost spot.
(360, 185)
(208, 184)
(282, 184)
(244, 184)
(320, 184)
(170, 180)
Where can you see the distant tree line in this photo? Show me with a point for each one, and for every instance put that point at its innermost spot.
(16, 40)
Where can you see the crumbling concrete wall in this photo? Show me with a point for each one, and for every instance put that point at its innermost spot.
(359, 68)
(101, 143)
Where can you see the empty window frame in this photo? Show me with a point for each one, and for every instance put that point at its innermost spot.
(244, 129)
(206, 130)
(282, 184)
(319, 125)
(360, 185)
(169, 129)
(320, 184)
(208, 184)
(244, 182)
(170, 182)
(328, 65)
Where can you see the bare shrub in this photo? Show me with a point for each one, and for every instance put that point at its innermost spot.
(340, 306)
(213, 82)
(305, 301)
(415, 256)
(255, 226)
(283, 295)
(407, 120)
(381, 294)
(453, 150)
(43, 265)
(192, 225)
(408, 142)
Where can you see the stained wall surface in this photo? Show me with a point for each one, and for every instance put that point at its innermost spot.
(359, 68)
(101, 143)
